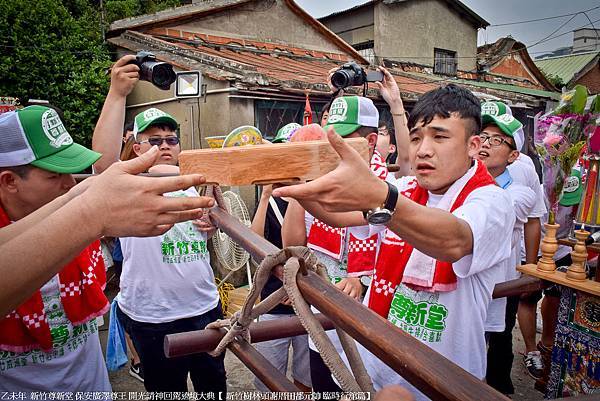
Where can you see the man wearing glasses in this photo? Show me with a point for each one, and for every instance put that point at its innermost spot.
(501, 136)
(167, 284)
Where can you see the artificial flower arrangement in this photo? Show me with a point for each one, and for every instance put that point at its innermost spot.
(561, 137)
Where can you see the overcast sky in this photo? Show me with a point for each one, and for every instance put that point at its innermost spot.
(505, 11)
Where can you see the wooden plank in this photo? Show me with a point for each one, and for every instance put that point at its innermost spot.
(518, 286)
(248, 165)
(589, 286)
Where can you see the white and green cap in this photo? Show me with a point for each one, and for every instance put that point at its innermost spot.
(499, 114)
(572, 189)
(349, 113)
(150, 117)
(285, 133)
(36, 135)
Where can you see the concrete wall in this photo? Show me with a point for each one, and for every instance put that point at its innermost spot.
(585, 40)
(264, 20)
(355, 26)
(415, 28)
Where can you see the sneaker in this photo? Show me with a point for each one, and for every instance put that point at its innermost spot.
(137, 371)
(534, 365)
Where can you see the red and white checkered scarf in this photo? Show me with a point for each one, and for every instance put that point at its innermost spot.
(394, 253)
(81, 293)
(330, 240)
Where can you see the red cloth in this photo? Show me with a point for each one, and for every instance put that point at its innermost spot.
(81, 293)
(394, 253)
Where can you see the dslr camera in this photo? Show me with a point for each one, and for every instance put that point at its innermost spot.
(352, 74)
(157, 72)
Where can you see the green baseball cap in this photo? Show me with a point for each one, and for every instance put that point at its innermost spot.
(285, 133)
(572, 189)
(499, 114)
(36, 135)
(150, 117)
(349, 113)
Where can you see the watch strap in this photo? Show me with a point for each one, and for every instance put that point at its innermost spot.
(392, 197)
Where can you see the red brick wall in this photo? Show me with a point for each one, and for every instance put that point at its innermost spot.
(512, 66)
(591, 80)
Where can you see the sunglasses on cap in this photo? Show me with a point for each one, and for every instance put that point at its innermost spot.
(157, 141)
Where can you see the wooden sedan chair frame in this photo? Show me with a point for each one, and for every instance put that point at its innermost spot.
(431, 373)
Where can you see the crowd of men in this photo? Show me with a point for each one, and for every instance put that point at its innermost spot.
(423, 247)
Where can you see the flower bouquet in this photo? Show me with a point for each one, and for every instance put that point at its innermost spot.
(560, 137)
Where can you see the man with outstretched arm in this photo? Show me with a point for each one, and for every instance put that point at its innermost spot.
(447, 231)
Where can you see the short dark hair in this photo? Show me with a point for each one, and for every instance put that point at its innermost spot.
(21, 171)
(364, 131)
(127, 127)
(325, 108)
(444, 101)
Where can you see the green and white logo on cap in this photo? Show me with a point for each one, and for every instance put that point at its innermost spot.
(499, 114)
(36, 135)
(152, 116)
(493, 108)
(572, 189)
(349, 113)
(285, 133)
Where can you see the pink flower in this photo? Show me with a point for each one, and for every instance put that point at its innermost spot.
(552, 139)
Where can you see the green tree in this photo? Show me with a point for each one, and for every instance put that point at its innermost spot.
(53, 50)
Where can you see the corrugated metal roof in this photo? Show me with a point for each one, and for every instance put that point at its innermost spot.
(565, 67)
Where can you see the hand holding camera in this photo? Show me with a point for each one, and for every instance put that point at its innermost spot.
(124, 76)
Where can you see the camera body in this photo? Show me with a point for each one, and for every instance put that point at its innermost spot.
(352, 74)
(159, 73)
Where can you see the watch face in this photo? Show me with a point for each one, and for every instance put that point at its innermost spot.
(380, 217)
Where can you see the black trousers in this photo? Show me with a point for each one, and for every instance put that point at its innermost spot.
(500, 351)
(320, 376)
(170, 375)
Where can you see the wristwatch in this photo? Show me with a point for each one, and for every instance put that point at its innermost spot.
(383, 214)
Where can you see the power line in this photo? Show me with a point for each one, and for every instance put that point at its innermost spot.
(543, 19)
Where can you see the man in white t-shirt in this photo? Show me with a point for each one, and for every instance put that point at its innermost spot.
(50, 342)
(448, 236)
(501, 136)
(167, 283)
(523, 172)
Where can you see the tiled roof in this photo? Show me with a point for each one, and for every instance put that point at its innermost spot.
(249, 63)
(566, 67)
(252, 65)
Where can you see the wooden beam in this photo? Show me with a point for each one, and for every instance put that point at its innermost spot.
(193, 342)
(435, 376)
(588, 286)
(248, 165)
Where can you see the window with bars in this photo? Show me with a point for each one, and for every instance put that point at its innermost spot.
(444, 62)
(270, 115)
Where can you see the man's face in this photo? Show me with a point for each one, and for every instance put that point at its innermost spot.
(441, 152)
(496, 156)
(169, 154)
(38, 188)
(324, 118)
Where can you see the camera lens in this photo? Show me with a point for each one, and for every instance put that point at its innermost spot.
(342, 78)
(163, 75)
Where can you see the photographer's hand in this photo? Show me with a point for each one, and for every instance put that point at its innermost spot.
(107, 138)
(390, 92)
(124, 76)
(388, 88)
